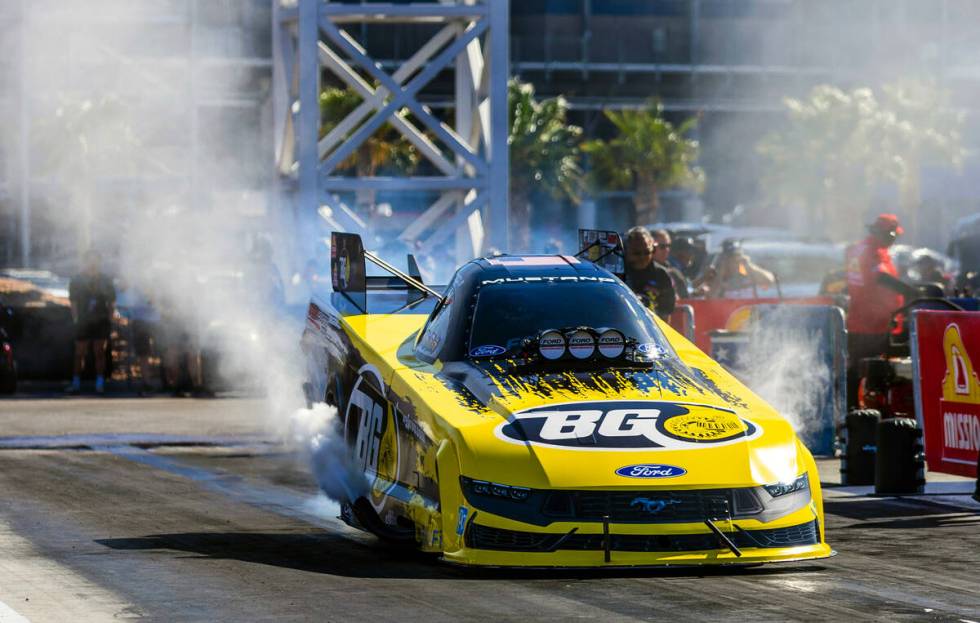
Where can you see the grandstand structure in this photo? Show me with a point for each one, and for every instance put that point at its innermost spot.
(459, 51)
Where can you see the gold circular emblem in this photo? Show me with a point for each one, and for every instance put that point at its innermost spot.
(713, 426)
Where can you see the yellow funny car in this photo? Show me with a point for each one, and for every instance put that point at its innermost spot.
(533, 414)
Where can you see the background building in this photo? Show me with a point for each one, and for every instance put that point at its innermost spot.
(191, 78)
(733, 61)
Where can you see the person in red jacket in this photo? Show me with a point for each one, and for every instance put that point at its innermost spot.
(875, 292)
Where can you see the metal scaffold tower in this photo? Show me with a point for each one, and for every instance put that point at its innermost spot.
(312, 37)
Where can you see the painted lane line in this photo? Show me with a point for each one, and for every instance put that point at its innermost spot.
(47, 588)
(50, 442)
(9, 615)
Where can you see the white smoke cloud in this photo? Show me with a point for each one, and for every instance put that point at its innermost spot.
(783, 365)
(112, 133)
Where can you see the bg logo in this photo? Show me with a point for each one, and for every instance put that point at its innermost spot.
(626, 425)
(372, 434)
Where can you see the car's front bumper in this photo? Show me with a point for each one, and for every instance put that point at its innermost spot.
(488, 540)
(596, 559)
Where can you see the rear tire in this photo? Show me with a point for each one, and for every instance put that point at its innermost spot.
(860, 446)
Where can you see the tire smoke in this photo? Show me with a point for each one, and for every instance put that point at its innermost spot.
(317, 436)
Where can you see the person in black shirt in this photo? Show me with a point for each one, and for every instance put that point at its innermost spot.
(661, 255)
(93, 299)
(645, 277)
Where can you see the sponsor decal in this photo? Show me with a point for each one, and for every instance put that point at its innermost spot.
(312, 315)
(546, 279)
(551, 345)
(651, 470)
(372, 434)
(627, 425)
(487, 350)
(533, 260)
(461, 522)
(413, 427)
(705, 427)
(344, 273)
(960, 402)
(653, 506)
(611, 343)
(430, 341)
(650, 349)
(581, 344)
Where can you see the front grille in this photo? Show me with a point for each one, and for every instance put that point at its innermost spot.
(640, 507)
(485, 537)
(541, 507)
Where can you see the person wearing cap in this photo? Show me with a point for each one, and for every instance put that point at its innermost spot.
(645, 277)
(683, 256)
(875, 293)
(661, 255)
(733, 275)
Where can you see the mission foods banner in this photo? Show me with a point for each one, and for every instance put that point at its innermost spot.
(945, 348)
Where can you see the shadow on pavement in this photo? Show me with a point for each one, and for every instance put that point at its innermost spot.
(338, 555)
(888, 513)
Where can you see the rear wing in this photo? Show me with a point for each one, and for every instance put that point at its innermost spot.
(348, 272)
(602, 248)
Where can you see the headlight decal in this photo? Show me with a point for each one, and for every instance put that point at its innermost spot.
(780, 489)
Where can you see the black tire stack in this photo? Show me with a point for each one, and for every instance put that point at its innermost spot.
(900, 465)
(860, 447)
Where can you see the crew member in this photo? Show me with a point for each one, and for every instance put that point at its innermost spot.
(661, 255)
(683, 257)
(875, 292)
(733, 275)
(929, 272)
(93, 298)
(645, 277)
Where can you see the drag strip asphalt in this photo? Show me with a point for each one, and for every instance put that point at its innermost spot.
(230, 527)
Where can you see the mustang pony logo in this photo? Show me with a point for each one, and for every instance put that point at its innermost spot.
(653, 506)
(960, 403)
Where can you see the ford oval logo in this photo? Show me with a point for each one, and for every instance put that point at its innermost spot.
(487, 350)
(651, 470)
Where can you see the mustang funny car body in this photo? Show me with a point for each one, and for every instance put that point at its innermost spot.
(533, 413)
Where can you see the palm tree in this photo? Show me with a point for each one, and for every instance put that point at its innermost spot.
(385, 150)
(839, 146)
(544, 155)
(647, 154)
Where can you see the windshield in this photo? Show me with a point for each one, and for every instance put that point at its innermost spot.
(508, 312)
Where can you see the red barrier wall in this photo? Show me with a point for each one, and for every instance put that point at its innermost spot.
(947, 389)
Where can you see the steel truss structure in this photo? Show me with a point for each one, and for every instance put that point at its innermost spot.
(471, 39)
